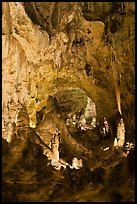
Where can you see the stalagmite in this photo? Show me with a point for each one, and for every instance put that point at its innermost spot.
(54, 116)
(115, 142)
(121, 133)
(89, 114)
(119, 141)
(55, 149)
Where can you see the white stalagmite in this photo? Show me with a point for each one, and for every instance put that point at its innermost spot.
(9, 133)
(93, 122)
(121, 133)
(115, 142)
(90, 110)
(55, 147)
(89, 113)
(53, 156)
(120, 139)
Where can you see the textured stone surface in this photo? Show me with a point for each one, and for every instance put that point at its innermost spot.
(88, 46)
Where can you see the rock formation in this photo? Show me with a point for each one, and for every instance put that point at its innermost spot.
(68, 76)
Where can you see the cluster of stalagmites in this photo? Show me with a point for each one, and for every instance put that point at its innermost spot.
(48, 135)
(84, 121)
(62, 42)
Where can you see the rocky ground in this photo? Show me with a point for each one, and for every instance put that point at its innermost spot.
(27, 177)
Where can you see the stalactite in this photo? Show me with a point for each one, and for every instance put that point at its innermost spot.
(117, 86)
(7, 18)
(88, 5)
(126, 4)
(55, 17)
(116, 75)
(122, 6)
(120, 137)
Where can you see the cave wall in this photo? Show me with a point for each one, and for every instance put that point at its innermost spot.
(48, 47)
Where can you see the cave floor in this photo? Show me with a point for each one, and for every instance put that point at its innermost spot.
(31, 180)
